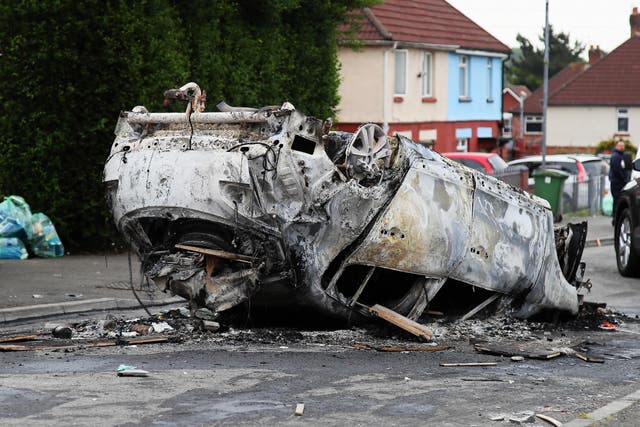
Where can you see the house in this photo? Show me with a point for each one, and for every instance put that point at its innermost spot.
(425, 71)
(591, 102)
(601, 103)
(529, 142)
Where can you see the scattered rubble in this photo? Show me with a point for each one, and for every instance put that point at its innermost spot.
(496, 335)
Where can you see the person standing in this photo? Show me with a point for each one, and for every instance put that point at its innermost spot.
(617, 173)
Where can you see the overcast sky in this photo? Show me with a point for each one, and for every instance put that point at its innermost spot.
(591, 22)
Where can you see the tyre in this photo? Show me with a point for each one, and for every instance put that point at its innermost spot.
(627, 258)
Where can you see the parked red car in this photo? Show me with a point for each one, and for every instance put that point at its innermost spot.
(489, 163)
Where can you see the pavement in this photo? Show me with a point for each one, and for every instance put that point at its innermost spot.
(599, 231)
(41, 287)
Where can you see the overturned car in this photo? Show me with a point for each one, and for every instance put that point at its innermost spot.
(271, 207)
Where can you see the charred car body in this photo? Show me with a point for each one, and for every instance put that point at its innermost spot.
(270, 206)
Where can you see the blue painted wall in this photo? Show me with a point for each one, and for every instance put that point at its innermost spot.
(477, 108)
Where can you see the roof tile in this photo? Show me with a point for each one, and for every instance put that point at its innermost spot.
(429, 21)
(613, 80)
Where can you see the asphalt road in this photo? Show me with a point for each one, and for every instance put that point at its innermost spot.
(223, 379)
(621, 293)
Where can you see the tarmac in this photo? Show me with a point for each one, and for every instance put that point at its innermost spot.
(41, 287)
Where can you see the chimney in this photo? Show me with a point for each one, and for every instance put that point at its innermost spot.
(634, 22)
(595, 53)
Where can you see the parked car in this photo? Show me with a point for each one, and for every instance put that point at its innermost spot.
(489, 163)
(627, 228)
(587, 174)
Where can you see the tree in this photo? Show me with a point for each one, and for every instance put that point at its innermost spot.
(67, 67)
(528, 66)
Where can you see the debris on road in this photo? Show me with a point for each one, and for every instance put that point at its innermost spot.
(210, 326)
(277, 210)
(402, 322)
(529, 349)
(549, 419)
(20, 338)
(588, 358)
(469, 364)
(299, 409)
(131, 371)
(523, 417)
(62, 331)
(160, 327)
(399, 349)
(141, 329)
(89, 344)
(607, 326)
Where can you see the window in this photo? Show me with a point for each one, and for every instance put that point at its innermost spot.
(623, 120)
(489, 80)
(426, 75)
(463, 145)
(463, 77)
(400, 83)
(473, 164)
(506, 127)
(533, 124)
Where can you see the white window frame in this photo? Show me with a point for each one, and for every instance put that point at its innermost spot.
(462, 145)
(532, 119)
(400, 53)
(463, 77)
(622, 113)
(489, 80)
(426, 75)
(507, 127)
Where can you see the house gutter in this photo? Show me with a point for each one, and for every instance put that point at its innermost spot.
(417, 45)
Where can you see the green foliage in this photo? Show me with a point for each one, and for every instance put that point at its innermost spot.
(607, 145)
(67, 67)
(528, 67)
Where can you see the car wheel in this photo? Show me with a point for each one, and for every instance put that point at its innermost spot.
(627, 259)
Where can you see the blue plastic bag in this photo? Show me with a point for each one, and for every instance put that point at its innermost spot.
(12, 248)
(15, 218)
(44, 240)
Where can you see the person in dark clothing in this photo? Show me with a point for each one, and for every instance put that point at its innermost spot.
(618, 176)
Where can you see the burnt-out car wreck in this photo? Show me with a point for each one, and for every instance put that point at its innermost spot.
(269, 206)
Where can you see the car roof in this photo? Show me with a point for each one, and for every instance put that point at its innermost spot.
(468, 155)
(557, 158)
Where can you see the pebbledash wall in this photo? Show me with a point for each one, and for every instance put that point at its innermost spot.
(443, 118)
(567, 130)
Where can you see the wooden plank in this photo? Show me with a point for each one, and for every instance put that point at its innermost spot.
(482, 305)
(19, 338)
(219, 254)
(355, 296)
(549, 419)
(588, 358)
(400, 349)
(13, 347)
(402, 322)
(469, 364)
(130, 341)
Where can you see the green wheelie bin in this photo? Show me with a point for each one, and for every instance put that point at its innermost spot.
(549, 184)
